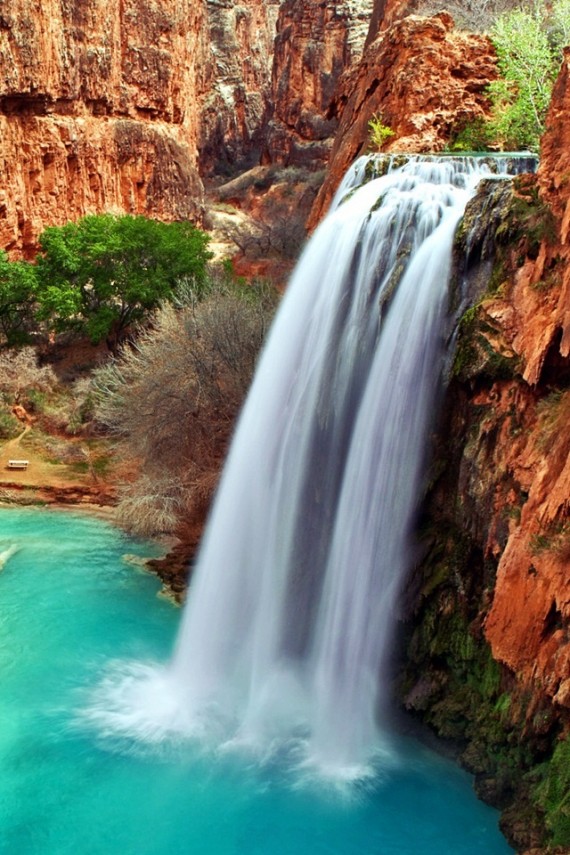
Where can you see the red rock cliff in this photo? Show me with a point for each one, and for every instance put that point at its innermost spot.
(97, 112)
(529, 622)
(235, 67)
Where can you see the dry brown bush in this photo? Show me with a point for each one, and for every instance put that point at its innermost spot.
(172, 398)
(476, 15)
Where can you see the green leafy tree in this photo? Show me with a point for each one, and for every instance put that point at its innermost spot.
(17, 288)
(529, 43)
(104, 273)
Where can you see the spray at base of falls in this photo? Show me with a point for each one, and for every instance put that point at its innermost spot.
(286, 633)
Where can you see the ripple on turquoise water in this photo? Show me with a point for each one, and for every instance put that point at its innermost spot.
(69, 606)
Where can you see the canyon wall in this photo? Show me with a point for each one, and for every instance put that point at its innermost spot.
(126, 106)
(316, 42)
(236, 59)
(96, 112)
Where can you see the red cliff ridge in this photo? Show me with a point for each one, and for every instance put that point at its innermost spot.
(423, 78)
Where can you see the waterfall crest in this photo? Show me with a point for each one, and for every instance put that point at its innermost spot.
(292, 605)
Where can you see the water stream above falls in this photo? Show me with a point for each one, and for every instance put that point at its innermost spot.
(69, 605)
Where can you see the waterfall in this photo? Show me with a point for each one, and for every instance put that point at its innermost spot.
(287, 630)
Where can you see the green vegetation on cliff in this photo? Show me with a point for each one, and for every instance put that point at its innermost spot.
(529, 43)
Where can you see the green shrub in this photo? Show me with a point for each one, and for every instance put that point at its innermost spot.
(472, 136)
(9, 425)
(378, 133)
(552, 794)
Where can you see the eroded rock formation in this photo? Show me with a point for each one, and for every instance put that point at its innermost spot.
(423, 79)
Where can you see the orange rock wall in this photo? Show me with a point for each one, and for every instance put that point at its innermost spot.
(97, 112)
(316, 42)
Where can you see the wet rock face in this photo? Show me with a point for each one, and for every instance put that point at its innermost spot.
(95, 113)
(316, 42)
(423, 78)
(491, 601)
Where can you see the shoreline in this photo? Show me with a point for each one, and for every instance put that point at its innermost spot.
(105, 511)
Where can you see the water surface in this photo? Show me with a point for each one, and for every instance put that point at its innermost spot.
(69, 608)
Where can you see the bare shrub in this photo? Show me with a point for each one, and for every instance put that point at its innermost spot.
(172, 397)
(19, 372)
(151, 505)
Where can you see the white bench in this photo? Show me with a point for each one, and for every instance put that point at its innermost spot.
(18, 464)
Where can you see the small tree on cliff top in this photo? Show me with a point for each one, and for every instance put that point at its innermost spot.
(529, 44)
(104, 273)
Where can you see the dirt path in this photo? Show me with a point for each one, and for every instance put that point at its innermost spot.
(40, 472)
(46, 481)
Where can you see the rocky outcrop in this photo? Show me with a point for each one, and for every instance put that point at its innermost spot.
(316, 42)
(423, 79)
(97, 112)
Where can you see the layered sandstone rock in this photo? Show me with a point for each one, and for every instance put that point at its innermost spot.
(97, 112)
(423, 78)
(316, 42)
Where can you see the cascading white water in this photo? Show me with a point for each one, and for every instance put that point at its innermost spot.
(291, 608)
